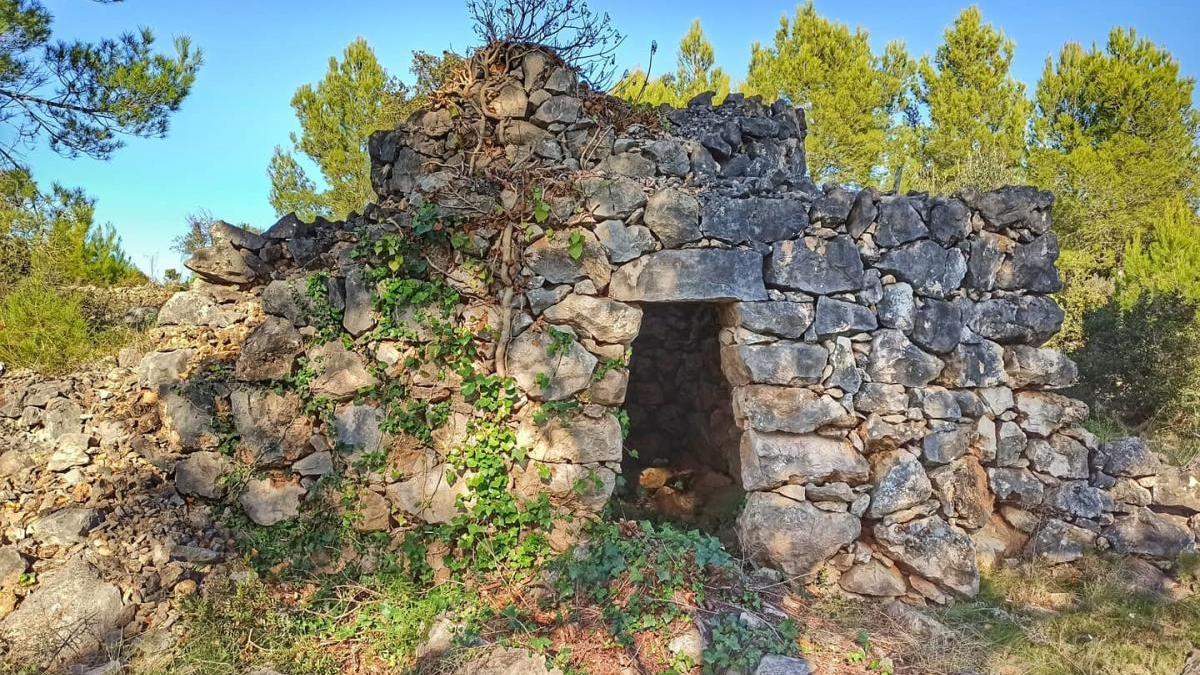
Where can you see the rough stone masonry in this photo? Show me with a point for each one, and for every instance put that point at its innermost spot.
(897, 409)
(896, 412)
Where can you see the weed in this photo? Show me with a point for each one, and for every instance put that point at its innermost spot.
(326, 318)
(560, 341)
(739, 645)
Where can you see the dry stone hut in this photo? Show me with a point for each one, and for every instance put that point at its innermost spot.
(867, 369)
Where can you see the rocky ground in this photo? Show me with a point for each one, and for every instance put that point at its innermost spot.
(99, 546)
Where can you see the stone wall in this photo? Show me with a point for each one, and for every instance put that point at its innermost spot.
(896, 412)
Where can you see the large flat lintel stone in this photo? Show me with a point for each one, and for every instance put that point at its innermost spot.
(691, 275)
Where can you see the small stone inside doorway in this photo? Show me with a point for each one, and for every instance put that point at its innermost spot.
(681, 452)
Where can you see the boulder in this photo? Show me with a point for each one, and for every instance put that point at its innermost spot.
(192, 308)
(784, 363)
(873, 578)
(837, 317)
(691, 275)
(1011, 206)
(832, 207)
(781, 318)
(1016, 486)
(1043, 413)
(1010, 443)
(897, 308)
(551, 257)
(161, 370)
(224, 265)
(624, 243)
(899, 483)
(316, 464)
(67, 616)
(949, 221)
(962, 487)
(931, 269)
(774, 408)
(1060, 456)
(899, 222)
(795, 537)
(64, 527)
(1177, 488)
(358, 317)
(632, 164)
(1155, 535)
(428, 496)
(357, 428)
(846, 375)
(937, 326)
(820, 266)
(610, 389)
(1028, 319)
(753, 219)
(269, 351)
(199, 474)
(896, 360)
(1039, 368)
(547, 370)
(601, 319)
(559, 109)
(674, 217)
(1031, 267)
(268, 502)
(773, 664)
(507, 661)
(933, 549)
(1077, 499)
(288, 298)
(980, 364)
(271, 426)
(987, 253)
(1129, 457)
(671, 157)
(70, 450)
(885, 399)
(1058, 542)
(577, 439)
(340, 372)
(187, 417)
(863, 212)
(771, 459)
(614, 198)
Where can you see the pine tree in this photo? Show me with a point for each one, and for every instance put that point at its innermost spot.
(695, 73)
(355, 98)
(1166, 260)
(83, 96)
(1115, 138)
(53, 237)
(978, 113)
(849, 93)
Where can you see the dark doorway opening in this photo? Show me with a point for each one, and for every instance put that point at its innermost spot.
(681, 454)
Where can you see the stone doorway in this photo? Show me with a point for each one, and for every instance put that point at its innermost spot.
(680, 460)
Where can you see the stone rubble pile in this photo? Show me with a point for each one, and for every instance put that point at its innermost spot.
(892, 412)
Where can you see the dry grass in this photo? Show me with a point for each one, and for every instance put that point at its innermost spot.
(1081, 619)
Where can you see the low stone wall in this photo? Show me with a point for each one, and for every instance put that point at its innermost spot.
(896, 410)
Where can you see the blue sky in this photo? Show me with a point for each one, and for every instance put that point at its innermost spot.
(257, 52)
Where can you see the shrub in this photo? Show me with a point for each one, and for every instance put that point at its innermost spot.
(44, 328)
(1137, 367)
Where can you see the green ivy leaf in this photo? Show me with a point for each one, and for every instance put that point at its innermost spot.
(575, 246)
